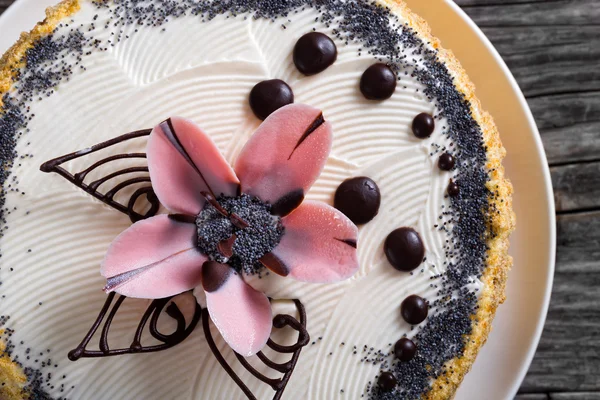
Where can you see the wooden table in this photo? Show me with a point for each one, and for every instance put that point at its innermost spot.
(553, 49)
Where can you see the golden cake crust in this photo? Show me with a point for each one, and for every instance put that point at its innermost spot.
(12, 378)
(12, 60)
(501, 219)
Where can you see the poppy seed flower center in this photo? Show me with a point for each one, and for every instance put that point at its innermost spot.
(238, 231)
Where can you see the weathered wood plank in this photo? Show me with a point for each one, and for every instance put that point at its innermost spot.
(531, 396)
(484, 3)
(550, 59)
(576, 186)
(550, 12)
(575, 396)
(568, 356)
(569, 125)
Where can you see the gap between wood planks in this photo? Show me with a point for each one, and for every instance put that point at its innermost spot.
(559, 396)
(576, 186)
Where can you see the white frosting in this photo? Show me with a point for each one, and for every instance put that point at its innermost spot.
(204, 71)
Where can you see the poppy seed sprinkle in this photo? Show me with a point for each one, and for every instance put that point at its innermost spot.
(381, 36)
(263, 233)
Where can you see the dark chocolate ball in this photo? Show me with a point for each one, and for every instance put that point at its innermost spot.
(446, 162)
(268, 96)
(423, 125)
(453, 189)
(414, 309)
(405, 349)
(404, 249)
(358, 198)
(314, 52)
(378, 82)
(386, 381)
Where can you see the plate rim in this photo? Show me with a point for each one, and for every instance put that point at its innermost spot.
(549, 195)
(9, 14)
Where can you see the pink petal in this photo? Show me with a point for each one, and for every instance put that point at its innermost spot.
(319, 244)
(154, 258)
(242, 314)
(183, 162)
(285, 156)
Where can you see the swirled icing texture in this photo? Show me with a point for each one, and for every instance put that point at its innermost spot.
(204, 71)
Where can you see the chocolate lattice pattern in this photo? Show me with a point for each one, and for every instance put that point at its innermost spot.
(137, 179)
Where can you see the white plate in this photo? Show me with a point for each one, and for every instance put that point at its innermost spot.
(504, 360)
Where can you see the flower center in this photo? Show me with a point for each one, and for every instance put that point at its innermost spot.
(238, 231)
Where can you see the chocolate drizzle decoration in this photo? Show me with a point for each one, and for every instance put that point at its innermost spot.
(151, 314)
(94, 187)
(166, 305)
(287, 368)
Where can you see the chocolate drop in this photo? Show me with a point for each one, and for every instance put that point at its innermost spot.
(405, 349)
(378, 82)
(414, 309)
(453, 189)
(446, 162)
(387, 381)
(268, 96)
(404, 249)
(314, 52)
(288, 203)
(358, 198)
(214, 275)
(423, 125)
(272, 262)
(183, 218)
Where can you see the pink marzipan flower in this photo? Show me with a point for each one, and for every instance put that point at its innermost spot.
(160, 256)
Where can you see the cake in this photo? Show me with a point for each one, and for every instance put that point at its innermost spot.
(281, 199)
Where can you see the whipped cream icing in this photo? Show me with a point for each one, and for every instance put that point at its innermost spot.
(58, 235)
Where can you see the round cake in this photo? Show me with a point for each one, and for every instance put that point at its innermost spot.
(243, 199)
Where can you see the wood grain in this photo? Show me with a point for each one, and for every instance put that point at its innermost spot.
(568, 356)
(575, 396)
(553, 49)
(569, 125)
(532, 396)
(537, 13)
(550, 59)
(576, 186)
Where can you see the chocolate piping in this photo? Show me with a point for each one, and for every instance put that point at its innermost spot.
(94, 185)
(183, 218)
(275, 264)
(273, 382)
(283, 368)
(154, 310)
(78, 178)
(215, 275)
(169, 131)
(152, 313)
(277, 384)
(111, 193)
(225, 246)
(103, 345)
(288, 203)
(235, 219)
(310, 129)
(120, 279)
(213, 202)
(350, 242)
